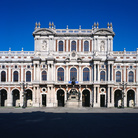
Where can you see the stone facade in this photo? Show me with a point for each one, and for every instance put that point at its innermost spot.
(43, 77)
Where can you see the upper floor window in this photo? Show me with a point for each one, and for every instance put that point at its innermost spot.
(86, 74)
(60, 74)
(15, 76)
(60, 46)
(16, 66)
(28, 76)
(28, 66)
(118, 67)
(73, 74)
(102, 76)
(73, 45)
(44, 75)
(131, 76)
(3, 76)
(118, 76)
(86, 46)
(131, 67)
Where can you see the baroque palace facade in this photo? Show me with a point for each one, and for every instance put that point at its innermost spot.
(44, 77)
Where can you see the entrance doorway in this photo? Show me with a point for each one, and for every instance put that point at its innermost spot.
(28, 97)
(130, 98)
(44, 100)
(3, 97)
(16, 97)
(118, 97)
(60, 97)
(102, 100)
(86, 98)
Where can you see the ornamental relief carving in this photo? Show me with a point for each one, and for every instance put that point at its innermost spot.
(44, 45)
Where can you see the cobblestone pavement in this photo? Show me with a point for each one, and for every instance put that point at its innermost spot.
(69, 110)
(65, 122)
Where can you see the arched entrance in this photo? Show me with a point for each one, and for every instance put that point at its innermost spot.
(117, 98)
(16, 97)
(60, 97)
(130, 98)
(43, 100)
(86, 98)
(102, 100)
(3, 97)
(28, 98)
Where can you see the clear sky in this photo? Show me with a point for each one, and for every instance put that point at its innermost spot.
(18, 17)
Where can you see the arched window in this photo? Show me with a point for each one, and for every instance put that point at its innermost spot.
(28, 76)
(73, 46)
(73, 74)
(60, 74)
(118, 76)
(131, 76)
(86, 74)
(86, 46)
(3, 76)
(102, 76)
(44, 75)
(60, 46)
(15, 76)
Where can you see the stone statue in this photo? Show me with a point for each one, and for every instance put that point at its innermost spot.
(102, 46)
(44, 45)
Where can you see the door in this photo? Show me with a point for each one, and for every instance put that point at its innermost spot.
(43, 99)
(102, 101)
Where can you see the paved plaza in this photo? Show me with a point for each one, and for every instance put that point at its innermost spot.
(68, 122)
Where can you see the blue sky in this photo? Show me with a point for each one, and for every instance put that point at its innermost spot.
(18, 17)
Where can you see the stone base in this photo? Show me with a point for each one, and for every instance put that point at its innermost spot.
(73, 104)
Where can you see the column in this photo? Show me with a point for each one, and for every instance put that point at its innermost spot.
(94, 72)
(112, 73)
(34, 72)
(94, 92)
(112, 100)
(9, 97)
(124, 74)
(9, 73)
(137, 73)
(80, 74)
(67, 79)
(98, 97)
(21, 96)
(91, 97)
(125, 98)
(79, 45)
(67, 42)
(136, 97)
(98, 73)
(108, 72)
(108, 100)
(38, 96)
(34, 96)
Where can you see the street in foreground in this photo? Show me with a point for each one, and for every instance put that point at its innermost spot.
(68, 123)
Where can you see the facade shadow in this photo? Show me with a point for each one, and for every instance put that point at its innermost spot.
(68, 125)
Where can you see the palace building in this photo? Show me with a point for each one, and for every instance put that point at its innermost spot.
(71, 68)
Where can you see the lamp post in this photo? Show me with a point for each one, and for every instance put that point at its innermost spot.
(23, 85)
(124, 86)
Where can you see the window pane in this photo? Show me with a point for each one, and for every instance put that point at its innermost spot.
(28, 76)
(60, 46)
(86, 46)
(3, 76)
(86, 74)
(102, 76)
(44, 76)
(131, 76)
(118, 76)
(15, 76)
(73, 46)
(73, 74)
(60, 74)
